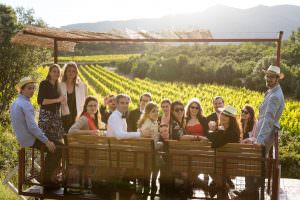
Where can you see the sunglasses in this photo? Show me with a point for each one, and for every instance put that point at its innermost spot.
(179, 110)
(245, 112)
(194, 107)
(163, 125)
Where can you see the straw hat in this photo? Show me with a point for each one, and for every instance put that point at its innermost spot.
(23, 82)
(229, 110)
(274, 70)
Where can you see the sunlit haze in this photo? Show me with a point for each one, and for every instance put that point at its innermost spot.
(59, 12)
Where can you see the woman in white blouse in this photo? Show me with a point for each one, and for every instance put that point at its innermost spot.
(75, 92)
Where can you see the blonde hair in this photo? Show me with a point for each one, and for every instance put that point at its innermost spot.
(66, 67)
(149, 107)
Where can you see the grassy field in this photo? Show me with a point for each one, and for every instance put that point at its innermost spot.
(101, 82)
(5, 192)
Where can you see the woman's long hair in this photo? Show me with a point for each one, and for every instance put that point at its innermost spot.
(149, 107)
(234, 127)
(251, 120)
(96, 116)
(50, 69)
(66, 67)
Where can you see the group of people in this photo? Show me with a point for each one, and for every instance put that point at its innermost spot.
(65, 108)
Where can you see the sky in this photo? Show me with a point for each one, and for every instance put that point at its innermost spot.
(58, 13)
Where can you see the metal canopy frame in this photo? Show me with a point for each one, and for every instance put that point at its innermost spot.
(154, 40)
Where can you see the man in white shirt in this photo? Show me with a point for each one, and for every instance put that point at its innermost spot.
(117, 125)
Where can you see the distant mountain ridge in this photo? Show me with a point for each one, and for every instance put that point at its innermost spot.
(220, 20)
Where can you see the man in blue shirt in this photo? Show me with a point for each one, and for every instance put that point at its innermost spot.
(22, 117)
(270, 111)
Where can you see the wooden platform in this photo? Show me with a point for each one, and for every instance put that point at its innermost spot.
(39, 192)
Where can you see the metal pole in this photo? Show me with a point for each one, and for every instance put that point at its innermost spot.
(276, 170)
(21, 170)
(278, 48)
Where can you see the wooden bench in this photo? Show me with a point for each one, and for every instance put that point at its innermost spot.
(231, 160)
(135, 158)
(242, 160)
(88, 153)
(111, 159)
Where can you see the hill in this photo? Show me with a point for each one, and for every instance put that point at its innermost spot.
(218, 19)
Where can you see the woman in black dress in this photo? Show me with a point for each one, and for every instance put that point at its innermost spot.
(49, 101)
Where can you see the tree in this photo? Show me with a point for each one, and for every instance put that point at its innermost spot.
(170, 70)
(140, 70)
(297, 90)
(226, 73)
(16, 61)
(26, 17)
(256, 79)
(291, 51)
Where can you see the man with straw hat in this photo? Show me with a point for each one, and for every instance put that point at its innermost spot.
(22, 117)
(270, 109)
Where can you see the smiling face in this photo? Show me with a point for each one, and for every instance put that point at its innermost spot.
(224, 121)
(122, 104)
(271, 79)
(153, 115)
(92, 107)
(166, 107)
(245, 115)
(111, 102)
(71, 72)
(218, 103)
(194, 109)
(143, 101)
(28, 90)
(178, 112)
(54, 74)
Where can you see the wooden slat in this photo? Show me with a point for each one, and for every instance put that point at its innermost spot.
(236, 147)
(240, 155)
(133, 155)
(189, 145)
(86, 139)
(94, 146)
(200, 153)
(240, 160)
(193, 157)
